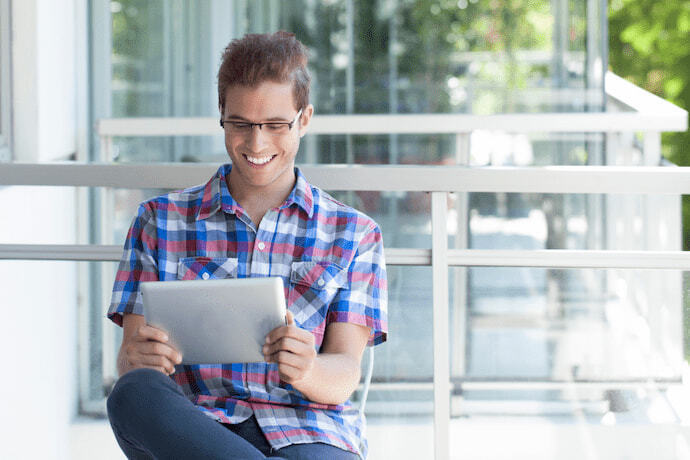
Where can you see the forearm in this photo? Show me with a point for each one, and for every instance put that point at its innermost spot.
(331, 380)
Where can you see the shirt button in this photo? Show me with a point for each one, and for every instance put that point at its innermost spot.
(320, 282)
(205, 276)
(261, 246)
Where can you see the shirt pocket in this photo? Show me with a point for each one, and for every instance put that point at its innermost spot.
(192, 268)
(313, 287)
(318, 275)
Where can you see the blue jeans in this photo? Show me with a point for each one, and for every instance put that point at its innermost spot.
(153, 419)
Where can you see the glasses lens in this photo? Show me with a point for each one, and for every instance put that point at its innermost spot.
(276, 128)
(239, 128)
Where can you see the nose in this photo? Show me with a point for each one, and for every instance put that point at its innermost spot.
(256, 139)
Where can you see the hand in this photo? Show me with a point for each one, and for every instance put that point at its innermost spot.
(147, 347)
(292, 349)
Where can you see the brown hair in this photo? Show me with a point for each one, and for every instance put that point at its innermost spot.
(256, 58)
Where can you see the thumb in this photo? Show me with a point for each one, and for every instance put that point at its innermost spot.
(290, 318)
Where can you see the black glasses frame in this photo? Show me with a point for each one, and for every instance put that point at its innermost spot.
(251, 125)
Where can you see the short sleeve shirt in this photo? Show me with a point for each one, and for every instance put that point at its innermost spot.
(331, 260)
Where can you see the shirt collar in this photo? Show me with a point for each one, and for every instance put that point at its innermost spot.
(217, 196)
(301, 195)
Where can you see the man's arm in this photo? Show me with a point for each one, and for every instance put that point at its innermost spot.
(328, 377)
(145, 346)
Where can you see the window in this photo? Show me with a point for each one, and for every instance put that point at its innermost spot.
(520, 335)
(5, 86)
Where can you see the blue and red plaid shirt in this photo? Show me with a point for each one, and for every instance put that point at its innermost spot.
(330, 257)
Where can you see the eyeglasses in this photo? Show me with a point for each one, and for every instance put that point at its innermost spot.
(275, 128)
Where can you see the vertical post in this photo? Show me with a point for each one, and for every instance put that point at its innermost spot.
(651, 149)
(439, 267)
(460, 294)
(393, 99)
(105, 206)
(350, 84)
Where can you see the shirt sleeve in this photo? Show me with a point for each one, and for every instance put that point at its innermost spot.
(365, 299)
(138, 263)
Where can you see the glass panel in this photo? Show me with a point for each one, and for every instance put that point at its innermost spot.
(485, 147)
(366, 57)
(511, 340)
(28, 206)
(406, 57)
(5, 79)
(559, 221)
(567, 324)
(399, 409)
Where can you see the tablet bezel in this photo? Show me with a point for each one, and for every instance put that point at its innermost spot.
(217, 321)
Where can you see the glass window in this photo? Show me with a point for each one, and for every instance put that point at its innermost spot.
(366, 57)
(539, 330)
(5, 78)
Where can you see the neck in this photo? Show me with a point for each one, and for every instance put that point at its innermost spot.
(257, 200)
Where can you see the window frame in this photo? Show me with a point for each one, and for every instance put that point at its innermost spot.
(5, 82)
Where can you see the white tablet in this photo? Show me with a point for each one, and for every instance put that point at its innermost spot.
(216, 321)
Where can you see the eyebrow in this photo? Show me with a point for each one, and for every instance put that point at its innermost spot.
(267, 120)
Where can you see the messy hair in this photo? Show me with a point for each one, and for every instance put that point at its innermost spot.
(255, 58)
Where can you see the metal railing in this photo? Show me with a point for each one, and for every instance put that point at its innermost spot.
(648, 114)
(438, 181)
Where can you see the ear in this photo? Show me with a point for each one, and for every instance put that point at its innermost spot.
(305, 119)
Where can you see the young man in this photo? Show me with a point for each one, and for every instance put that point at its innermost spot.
(255, 217)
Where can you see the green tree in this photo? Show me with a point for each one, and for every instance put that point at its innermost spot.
(649, 45)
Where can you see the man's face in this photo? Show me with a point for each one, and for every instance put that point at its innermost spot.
(262, 160)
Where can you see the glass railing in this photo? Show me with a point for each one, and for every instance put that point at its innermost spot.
(549, 294)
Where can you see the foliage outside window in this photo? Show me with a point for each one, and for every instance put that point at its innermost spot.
(649, 44)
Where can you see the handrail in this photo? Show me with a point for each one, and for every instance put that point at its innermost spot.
(650, 114)
(446, 178)
(548, 258)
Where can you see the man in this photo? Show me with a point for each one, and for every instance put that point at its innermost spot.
(257, 216)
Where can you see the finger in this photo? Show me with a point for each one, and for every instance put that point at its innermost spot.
(158, 361)
(141, 363)
(290, 374)
(163, 349)
(290, 318)
(135, 349)
(288, 344)
(290, 331)
(151, 333)
(159, 369)
(132, 366)
(285, 358)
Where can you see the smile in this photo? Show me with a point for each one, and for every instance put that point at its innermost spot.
(259, 160)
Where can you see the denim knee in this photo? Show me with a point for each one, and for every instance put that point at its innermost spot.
(134, 389)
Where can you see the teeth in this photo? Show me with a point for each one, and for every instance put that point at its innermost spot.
(259, 160)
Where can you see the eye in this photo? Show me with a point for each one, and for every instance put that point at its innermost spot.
(239, 125)
(275, 127)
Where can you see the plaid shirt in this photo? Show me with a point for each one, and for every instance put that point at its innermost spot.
(330, 257)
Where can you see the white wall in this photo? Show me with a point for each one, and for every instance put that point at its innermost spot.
(39, 327)
(44, 90)
(38, 331)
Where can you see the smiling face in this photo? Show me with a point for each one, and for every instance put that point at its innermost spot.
(263, 162)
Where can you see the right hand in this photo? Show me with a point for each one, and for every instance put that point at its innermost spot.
(145, 346)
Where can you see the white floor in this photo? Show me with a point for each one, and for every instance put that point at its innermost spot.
(490, 438)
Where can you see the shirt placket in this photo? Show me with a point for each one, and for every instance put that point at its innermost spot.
(244, 269)
(260, 266)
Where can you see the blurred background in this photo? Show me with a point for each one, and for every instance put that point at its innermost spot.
(544, 362)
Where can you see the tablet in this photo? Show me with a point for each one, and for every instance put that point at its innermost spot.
(216, 321)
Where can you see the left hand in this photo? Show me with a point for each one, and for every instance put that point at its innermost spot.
(292, 349)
